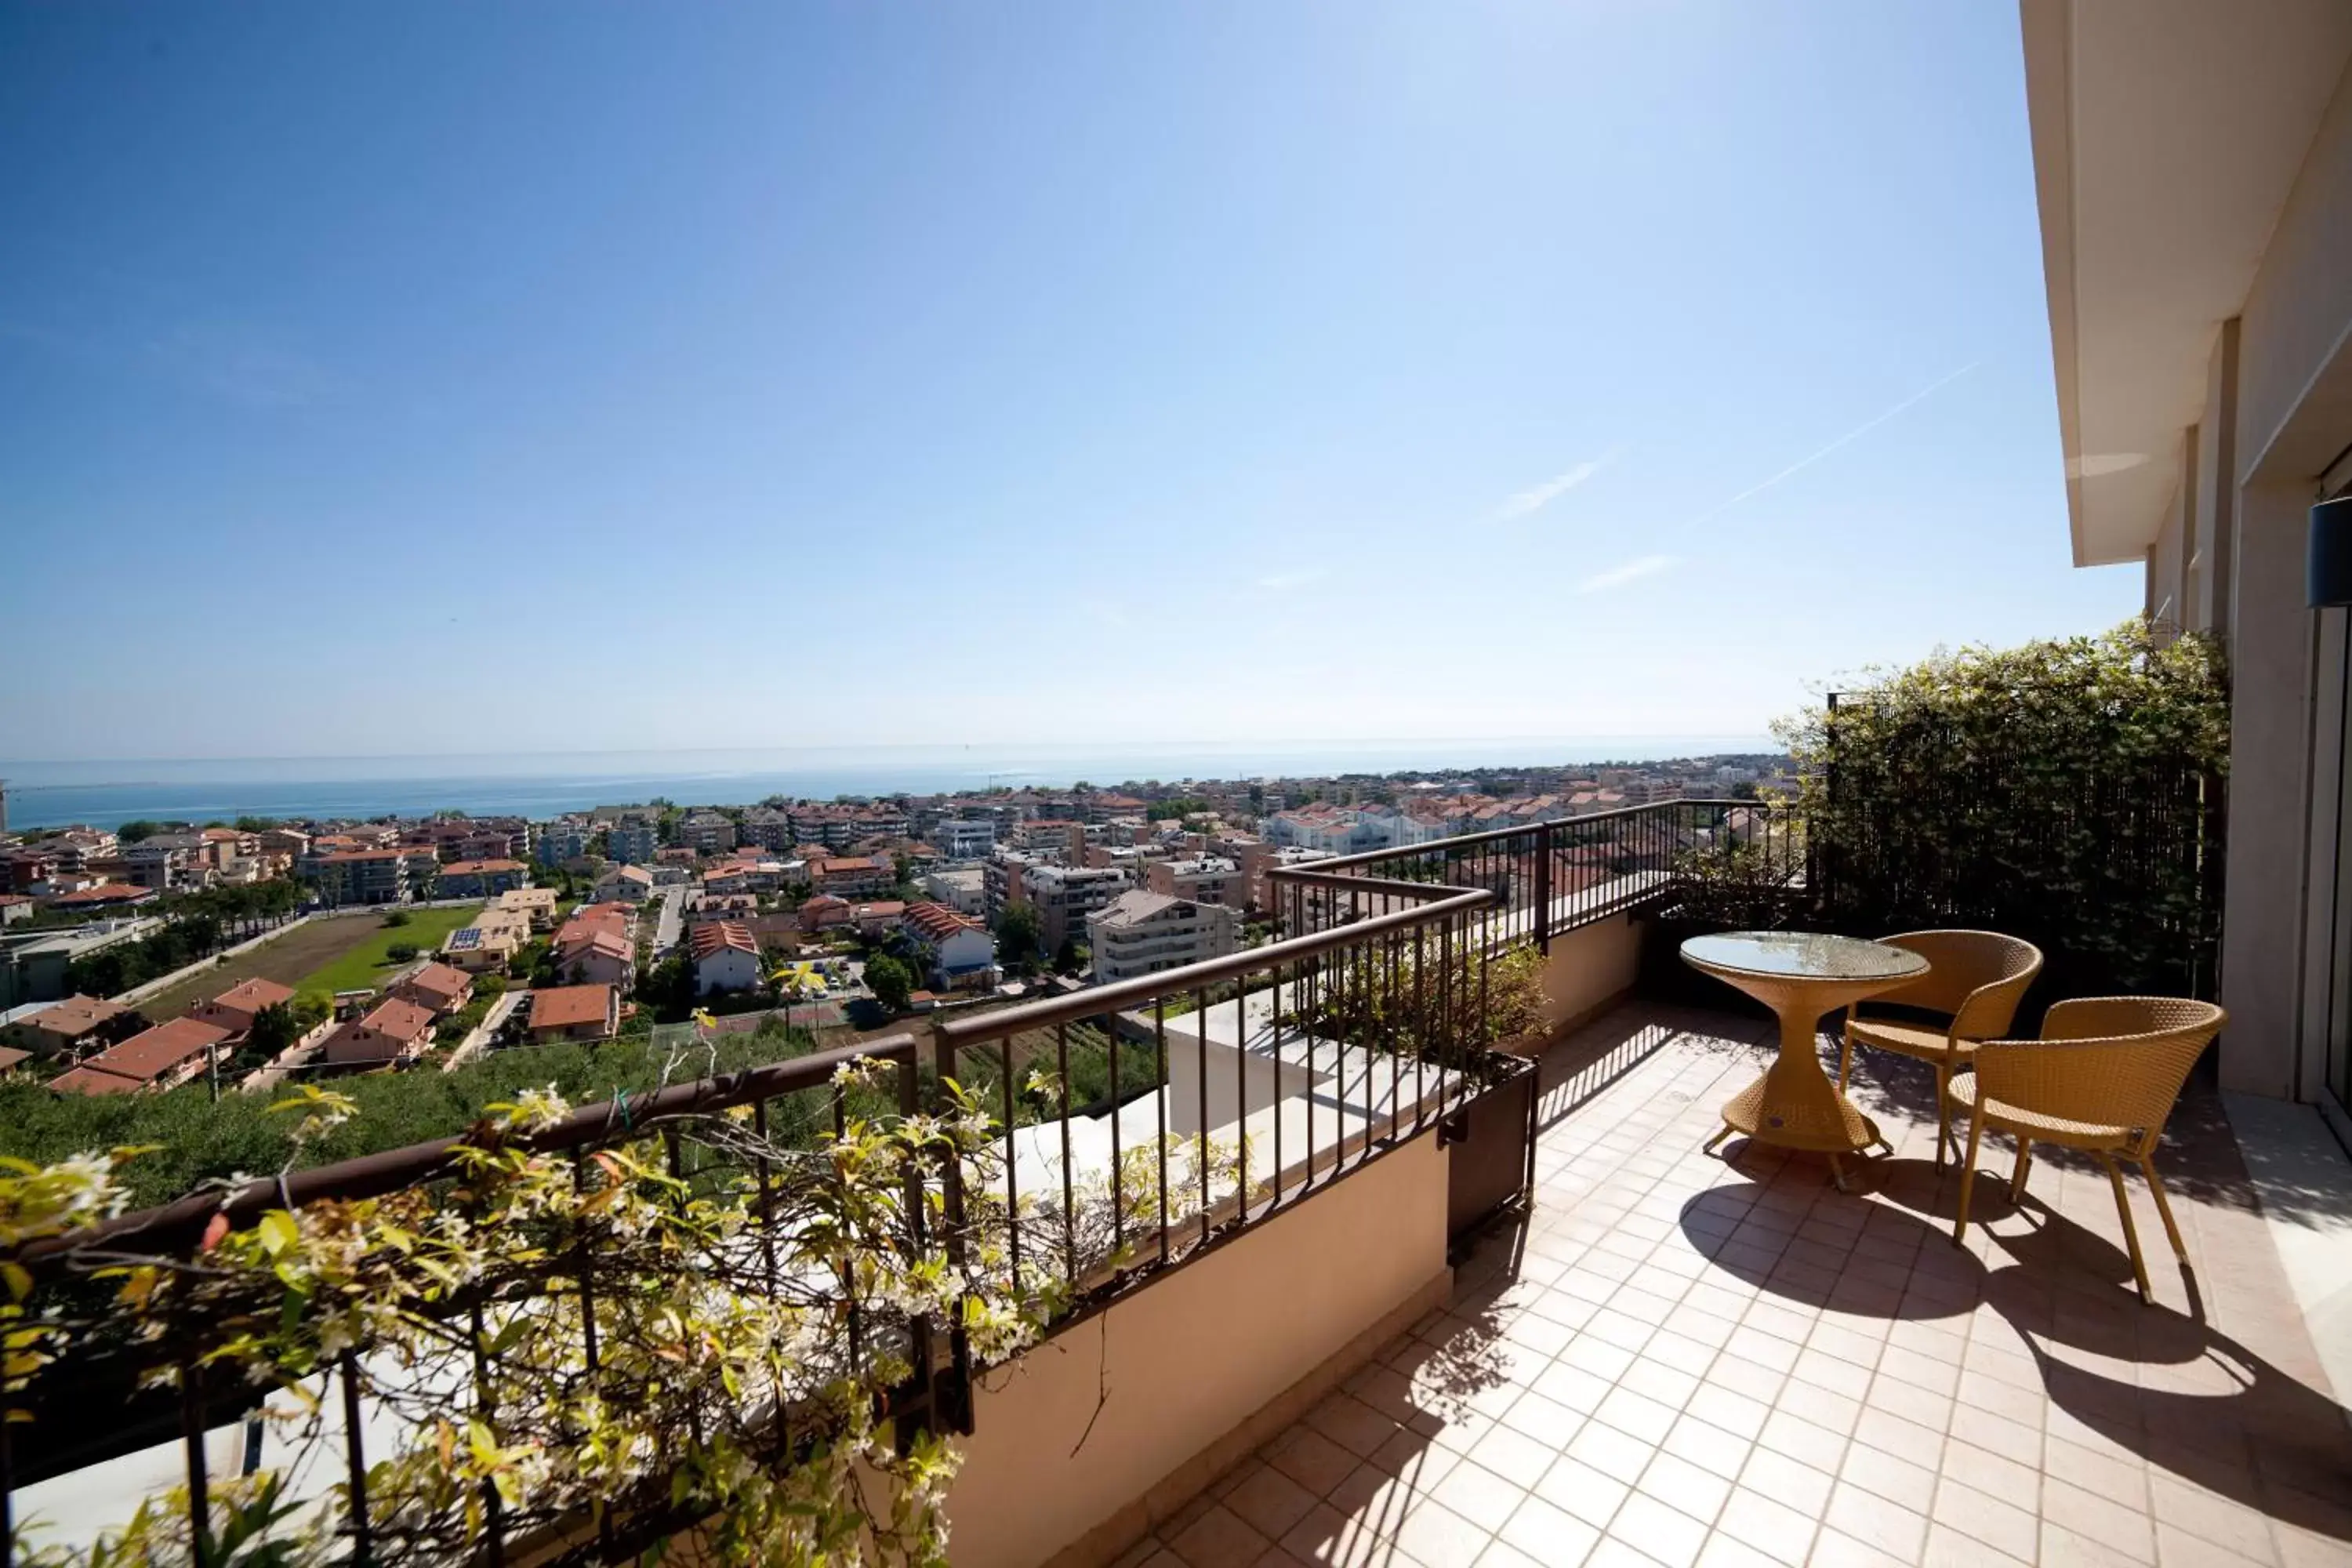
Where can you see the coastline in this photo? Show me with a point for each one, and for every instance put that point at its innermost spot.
(107, 793)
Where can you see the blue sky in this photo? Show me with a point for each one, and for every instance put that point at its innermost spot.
(461, 378)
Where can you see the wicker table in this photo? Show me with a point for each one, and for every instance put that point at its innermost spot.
(1801, 977)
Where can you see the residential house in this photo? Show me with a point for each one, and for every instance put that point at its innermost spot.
(104, 896)
(535, 904)
(626, 885)
(726, 958)
(1144, 932)
(70, 1028)
(600, 957)
(234, 1009)
(489, 943)
(15, 907)
(395, 1030)
(957, 951)
(436, 987)
(156, 1058)
(481, 879)
(574, 1013)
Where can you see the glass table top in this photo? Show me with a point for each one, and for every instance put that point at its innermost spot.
(1803, 955)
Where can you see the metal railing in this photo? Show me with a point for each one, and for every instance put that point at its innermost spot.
(1223, 1094)
(1235, 1088)
(95, 1407)
(1549, 877)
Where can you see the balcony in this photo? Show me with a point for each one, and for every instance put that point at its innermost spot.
(1332, 1279)
(1678, 1359)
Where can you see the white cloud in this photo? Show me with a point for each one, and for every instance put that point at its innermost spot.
(1633, 571)
(1537, 497)
(1283, 582)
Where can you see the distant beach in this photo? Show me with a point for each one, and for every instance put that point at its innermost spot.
(107, 793)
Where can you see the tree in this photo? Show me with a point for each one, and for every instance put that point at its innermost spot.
(1019, 934)
(890, 982)
(276, 1028)
(137, 828)
(396, 918)
(400, 952)
(1070, 957)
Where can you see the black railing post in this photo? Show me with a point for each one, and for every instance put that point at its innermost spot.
(1543, 888)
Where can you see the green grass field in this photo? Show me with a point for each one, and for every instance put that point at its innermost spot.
(362, 965)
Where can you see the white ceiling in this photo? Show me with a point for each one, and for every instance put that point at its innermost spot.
(2167, 135)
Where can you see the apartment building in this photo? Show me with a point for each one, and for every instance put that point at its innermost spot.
(345, 877)
(1066, 895)
(1144, 932)
(1203, 878)
(626, 884)
(853, 876)
(767, 827)
(965, 839)
(634, 841)
(707, 832)
(963, 888)
(1003, 880)
(560, 841)
(481, 879)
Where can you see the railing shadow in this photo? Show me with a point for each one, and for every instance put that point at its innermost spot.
(2264, 1438)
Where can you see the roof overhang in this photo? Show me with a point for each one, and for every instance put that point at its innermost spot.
(2167, 135)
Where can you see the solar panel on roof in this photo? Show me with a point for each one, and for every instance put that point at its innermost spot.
(466, 941)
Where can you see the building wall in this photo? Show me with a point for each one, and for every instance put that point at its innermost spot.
(2287, 414)
(1045, 1467)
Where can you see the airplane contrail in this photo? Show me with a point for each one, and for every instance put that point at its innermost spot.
(1865, 428)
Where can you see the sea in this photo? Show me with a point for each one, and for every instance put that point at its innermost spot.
(109, 793)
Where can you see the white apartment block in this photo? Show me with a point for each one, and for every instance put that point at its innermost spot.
(964, 840)
(1142, 933)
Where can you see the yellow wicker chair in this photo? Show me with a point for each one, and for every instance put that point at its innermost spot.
(2102, 1078)
(1975, 978)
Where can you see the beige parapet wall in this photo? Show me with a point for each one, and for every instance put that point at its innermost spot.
(1187, 1376)
(1588, 970)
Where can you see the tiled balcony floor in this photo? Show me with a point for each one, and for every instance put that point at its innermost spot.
(1681, 1359)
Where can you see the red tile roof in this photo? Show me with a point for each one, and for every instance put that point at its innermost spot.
(938, 922)
(564, 1006)
(148, 1055)
(402, 1020)
(715, 936)
(440, 979)
(253, 995)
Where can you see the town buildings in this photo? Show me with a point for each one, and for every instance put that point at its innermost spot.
(157, 1058)
(725, 957)
(956, 951)
(963, 839)
(395, 1030)
(1143, 932)
(1204, 878)
(1063, 896)
(574, 1013)
(481, 879)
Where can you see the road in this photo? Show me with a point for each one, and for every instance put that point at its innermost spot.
(484, 1032)
(671, 922)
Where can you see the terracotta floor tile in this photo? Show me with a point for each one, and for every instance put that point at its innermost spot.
(1217, 1540)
